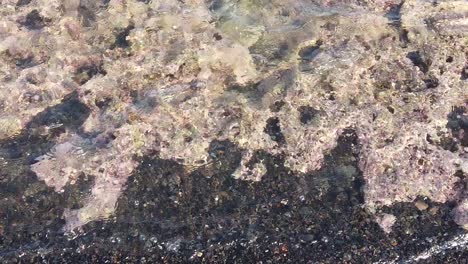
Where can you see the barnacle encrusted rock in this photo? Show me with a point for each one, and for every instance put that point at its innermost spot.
(161, 77)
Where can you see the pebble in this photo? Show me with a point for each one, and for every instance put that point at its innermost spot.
(421, 205)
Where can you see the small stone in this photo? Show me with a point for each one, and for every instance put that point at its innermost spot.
(386, 221)
(421, 205)
(464, 167)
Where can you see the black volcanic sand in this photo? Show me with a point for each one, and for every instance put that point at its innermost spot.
(174, 214)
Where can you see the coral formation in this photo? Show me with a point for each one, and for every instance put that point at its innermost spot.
(170, 77)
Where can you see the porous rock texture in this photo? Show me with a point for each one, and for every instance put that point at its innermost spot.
(282, 76)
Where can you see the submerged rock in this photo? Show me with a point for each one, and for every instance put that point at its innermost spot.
(102, 84)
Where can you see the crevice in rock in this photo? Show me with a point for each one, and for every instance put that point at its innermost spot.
(310, 52)
(273, 129)
(307, 114)
(419, 60)
(87, 71)
(121, 38)
(34, 20)
(23, 2)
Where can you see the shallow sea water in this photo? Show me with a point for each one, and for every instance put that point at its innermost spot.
(238, 131)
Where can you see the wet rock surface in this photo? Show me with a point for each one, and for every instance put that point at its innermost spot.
(242, 131)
